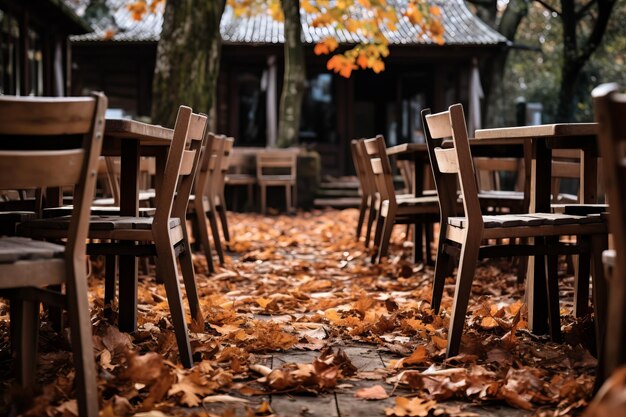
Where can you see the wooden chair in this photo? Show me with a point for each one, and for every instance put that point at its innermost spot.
(62, 139)
(205, 198)
(462, 234)
(367, 190)
(610, 109)
(277, 168)
(241, 174)
(164, 235)
(393, 210)
(217, 188)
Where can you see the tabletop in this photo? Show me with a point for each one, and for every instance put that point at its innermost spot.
(536, 131)
(405, 148)
(148, 135)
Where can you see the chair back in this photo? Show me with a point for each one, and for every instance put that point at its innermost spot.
(361, 163)
(183, 159)
(451, 163)
(54, 142)
(376, 152)
(610, 111)
(272, 163)
(220, 179)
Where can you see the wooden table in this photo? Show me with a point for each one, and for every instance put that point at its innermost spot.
(541, 140)
(130, 139)
(418, 154)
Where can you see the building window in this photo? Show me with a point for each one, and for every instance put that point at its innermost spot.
(318, 119)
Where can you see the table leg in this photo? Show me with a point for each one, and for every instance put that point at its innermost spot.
(589, 174)
(129, 206)
(418, 190)
(536, 296)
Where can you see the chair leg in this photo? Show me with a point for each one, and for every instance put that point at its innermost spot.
(442, 269)
(110, 271)
(581, 281)
(221, 209)
(250, 202)
(552, 287)
(429, 237)
(224, 219)
(288, 197)
(55, 314)
(295, 197)
(370, 221)
(203, 233)
(383, 247)
(600, 300)
(81, 340)
(189, 278)
(464, 279)
(378, 230)
(359, 224)
(263, 199)
(216, 234)
(166, 262)
(26, 316)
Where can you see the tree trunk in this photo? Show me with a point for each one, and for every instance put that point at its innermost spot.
(294, 79)
(494, 85)
(577, 50)
(188, 57)
(493, 70)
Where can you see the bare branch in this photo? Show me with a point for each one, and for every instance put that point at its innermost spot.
(548, 7)
(581, 12)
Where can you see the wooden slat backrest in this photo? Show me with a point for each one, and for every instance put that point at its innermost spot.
(215, 161)
(463, 164)
(360, 166)
(55, 122)
(240, 162)
(219, 178)
(269, 160)
(176, 184)
(53, 116)
(445, 184)
(186, 166)
(610, 110)
(376, 151)
(228, 151)
(207, 165)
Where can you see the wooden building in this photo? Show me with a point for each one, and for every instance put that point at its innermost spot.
(34, 46)
(418, 73)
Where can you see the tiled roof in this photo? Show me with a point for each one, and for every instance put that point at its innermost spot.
(461, 28)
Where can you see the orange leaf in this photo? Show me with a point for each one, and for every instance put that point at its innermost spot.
(362, 60)
(377, 392)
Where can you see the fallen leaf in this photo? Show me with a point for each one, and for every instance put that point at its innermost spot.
(376, 392)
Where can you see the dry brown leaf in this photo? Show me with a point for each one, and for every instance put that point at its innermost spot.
(415, 407)
(376, 392)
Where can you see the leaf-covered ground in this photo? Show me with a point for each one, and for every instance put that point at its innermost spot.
(301, 287)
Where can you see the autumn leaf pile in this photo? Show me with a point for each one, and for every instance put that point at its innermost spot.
(302, 284)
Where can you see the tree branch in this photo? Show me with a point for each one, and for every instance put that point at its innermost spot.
(605, 7)
(581, 12)
(547, 6)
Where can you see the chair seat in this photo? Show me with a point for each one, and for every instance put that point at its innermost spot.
(580, 209)
(276, 179)
(13, 249)
(95, 210)
(408, 205)
(143, 196)
(240, 179)
(98, 223)
(501, 195)
(533, 219)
